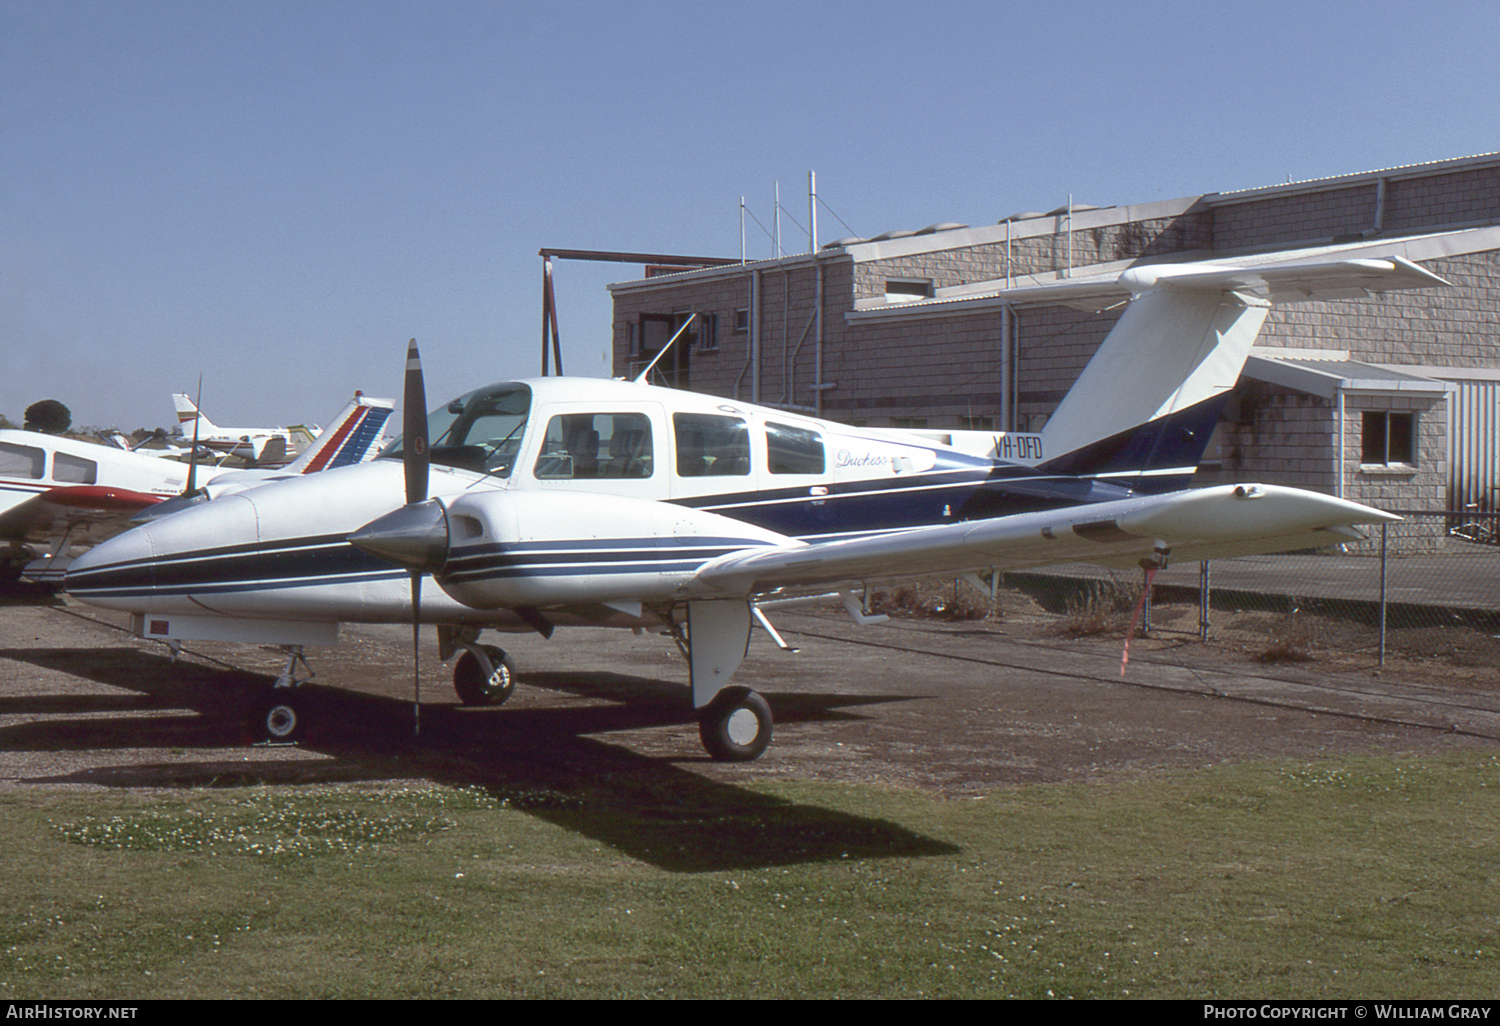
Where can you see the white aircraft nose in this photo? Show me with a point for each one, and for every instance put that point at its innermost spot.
(174, 553)
(131, 548)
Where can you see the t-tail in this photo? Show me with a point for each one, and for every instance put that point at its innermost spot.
(1145, 407)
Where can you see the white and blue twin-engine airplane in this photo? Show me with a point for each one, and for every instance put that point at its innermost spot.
(562, 502)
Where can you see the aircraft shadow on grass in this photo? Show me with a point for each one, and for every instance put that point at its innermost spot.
(537, 760)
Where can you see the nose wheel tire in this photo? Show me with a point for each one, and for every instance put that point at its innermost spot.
(475, 686)
(278, 719)
(735, 726)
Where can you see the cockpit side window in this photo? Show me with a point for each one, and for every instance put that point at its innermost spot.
(709, 445)
(791, 450)
(481, 431)
(22, 461)
(596, 445)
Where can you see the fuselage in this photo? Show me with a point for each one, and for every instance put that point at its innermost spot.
(619, 490)
(32, 465)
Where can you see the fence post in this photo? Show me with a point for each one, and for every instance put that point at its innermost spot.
(1203, 600)
(1145, 601)
(1383, 536)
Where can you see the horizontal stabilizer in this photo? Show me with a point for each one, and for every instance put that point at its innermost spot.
(1278, 279)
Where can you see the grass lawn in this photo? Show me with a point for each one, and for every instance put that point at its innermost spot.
(1369, 878)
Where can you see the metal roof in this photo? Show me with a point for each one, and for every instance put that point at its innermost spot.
(1327, 378)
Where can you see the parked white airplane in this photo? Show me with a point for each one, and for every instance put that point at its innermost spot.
(586, 502)
(264, 446)
(59, 493)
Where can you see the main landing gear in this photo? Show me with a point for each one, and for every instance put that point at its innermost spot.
(736, 725)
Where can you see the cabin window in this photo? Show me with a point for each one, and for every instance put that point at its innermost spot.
(1388, 438)
(22, 461)
(74, 469)
(709, 445)
(595, 445)
(791, 450)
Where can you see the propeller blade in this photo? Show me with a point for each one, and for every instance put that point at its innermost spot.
(414, 448)
(414, 461)
(416, 640)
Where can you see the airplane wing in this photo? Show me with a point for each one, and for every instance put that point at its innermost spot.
(1208, 523)
(58, 518)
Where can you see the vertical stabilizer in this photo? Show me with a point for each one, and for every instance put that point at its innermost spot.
(352, 437)
(1149, 399)
(187, 412)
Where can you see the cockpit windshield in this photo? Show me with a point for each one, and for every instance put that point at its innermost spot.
(481, 431)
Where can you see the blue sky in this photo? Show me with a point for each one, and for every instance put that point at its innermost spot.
(277, 194)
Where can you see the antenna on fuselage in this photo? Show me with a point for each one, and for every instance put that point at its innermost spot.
(190, 488)
(641, 380)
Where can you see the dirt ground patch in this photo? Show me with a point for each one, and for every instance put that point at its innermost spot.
(956, 706)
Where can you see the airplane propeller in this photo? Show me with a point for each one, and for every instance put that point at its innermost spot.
(414, 536)
(414, 461)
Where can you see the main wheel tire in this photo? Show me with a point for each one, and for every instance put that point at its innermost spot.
(278, 718)
(474, 688)
(736, 726)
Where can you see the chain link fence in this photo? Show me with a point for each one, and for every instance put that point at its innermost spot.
(1427, 587)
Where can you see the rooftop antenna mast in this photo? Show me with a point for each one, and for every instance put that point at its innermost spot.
(812, 211)
(777, 235)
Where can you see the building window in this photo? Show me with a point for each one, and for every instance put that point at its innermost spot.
(742, 319)
(1388, 438)
(907, 290)
(708, 332)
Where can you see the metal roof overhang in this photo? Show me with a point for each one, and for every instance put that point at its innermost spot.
(1327, 378)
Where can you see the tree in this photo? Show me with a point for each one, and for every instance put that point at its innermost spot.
(48, 416)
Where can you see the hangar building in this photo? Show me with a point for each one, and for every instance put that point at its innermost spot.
(1391, 400)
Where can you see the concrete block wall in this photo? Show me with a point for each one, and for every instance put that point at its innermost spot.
(1457, 326)
(1283, 220)
(1276, 436)
(1464, 196)
(948, 369)
(1039, 254)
